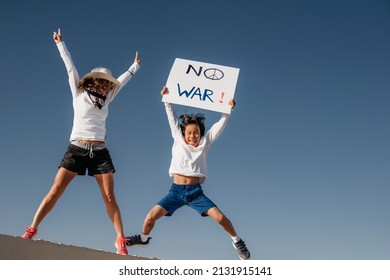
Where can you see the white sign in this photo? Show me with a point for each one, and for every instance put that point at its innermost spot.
(201, 85)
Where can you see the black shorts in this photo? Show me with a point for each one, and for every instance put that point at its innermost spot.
(78, 160)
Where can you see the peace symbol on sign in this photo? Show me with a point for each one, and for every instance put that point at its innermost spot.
(213, 74)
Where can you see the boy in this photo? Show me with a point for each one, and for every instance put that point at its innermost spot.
(188, 169)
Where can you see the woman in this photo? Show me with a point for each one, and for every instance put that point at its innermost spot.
(87, 149)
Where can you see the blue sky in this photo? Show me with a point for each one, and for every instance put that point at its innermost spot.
(302, 168)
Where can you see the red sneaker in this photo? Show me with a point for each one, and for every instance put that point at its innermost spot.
(30, 232)
(120, 244)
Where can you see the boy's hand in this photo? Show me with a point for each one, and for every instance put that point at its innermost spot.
(164, 91)
(57, 36)
(232, 103)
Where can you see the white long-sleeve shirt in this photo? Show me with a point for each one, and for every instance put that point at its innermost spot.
(186, 159)
(89, 122)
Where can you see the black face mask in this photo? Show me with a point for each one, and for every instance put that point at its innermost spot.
(99, 100)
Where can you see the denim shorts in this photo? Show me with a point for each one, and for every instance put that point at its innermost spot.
(190, 195)
(77, 159)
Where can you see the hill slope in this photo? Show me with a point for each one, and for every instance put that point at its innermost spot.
(17, 248)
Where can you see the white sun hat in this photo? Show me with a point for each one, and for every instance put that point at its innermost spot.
(102, 73)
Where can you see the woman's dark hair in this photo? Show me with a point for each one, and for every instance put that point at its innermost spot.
(83, 83)
(193, 119)
(86, 82)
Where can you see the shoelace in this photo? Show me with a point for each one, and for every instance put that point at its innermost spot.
(30, 232)
(136, 239)
(122, 243)
(241, 246)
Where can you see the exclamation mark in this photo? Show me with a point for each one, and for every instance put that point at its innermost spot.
(223, 94)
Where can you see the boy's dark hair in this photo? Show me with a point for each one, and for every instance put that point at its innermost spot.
(192, 119)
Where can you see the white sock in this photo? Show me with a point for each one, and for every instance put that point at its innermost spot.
(236, 238)
(144, 237)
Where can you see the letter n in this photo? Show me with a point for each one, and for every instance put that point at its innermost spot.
(192, 67)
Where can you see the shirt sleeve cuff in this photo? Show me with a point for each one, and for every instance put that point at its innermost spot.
(133, 68)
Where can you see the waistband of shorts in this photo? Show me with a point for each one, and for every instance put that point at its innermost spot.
(187, 187)
(93, 147)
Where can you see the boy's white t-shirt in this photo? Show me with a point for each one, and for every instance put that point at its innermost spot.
(186, 159)
(89, 122)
